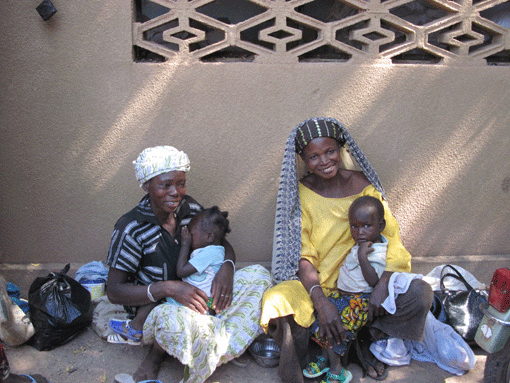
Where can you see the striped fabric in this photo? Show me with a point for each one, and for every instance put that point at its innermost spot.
(142, 248)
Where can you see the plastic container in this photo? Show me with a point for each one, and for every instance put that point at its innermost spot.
(494, 330)
(96, 289)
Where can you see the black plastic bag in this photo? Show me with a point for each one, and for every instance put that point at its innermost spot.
(60, 309)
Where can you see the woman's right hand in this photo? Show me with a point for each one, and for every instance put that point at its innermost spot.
(191, 297)
(330, 322)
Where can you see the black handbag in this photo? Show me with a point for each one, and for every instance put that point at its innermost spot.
(460, 308)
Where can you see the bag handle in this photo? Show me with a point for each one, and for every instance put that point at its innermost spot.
(457, 276)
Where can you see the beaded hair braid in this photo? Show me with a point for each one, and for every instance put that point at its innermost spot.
(287, 231)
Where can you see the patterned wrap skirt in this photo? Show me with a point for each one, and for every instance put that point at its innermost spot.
(204, 342)
(351, 307)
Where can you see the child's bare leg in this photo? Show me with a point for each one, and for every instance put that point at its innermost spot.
(335, 362)
(141, 315)
(337, 373)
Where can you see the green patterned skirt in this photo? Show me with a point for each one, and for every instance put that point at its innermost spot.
(204, 342)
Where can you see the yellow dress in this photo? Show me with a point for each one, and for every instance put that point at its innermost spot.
(325, 242)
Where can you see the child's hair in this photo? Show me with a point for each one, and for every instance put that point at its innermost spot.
(365, 201)
(216, 220)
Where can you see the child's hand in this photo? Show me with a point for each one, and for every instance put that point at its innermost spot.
(364, 249)
(185, 236)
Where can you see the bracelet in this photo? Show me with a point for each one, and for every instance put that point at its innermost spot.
(232, 262)
(311, 289)
(149, 295)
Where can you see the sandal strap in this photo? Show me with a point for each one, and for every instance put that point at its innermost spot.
(318, 365)
(344, 376)
(320, 362)
(131, 330)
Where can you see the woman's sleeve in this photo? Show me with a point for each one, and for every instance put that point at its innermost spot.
(308, 250)
(398, 259)
(125, 252)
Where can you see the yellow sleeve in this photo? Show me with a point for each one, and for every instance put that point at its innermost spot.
(308, 250)
(398, 259)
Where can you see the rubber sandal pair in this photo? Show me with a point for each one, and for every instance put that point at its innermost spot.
(126, 378)
(124, 333)
(344, 377)
(317, 368)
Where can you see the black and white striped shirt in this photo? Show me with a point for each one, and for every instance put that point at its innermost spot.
(142, 248)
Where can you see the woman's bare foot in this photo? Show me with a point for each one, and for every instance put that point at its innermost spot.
(149, 368)
(377, 370)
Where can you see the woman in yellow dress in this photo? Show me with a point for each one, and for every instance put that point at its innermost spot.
(311, 241)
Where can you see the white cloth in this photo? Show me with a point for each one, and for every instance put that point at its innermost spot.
(398, 284)
(444, 347)
(434, 279)
(350, 277)
(207, 261)
(391, 351)
(152, 162)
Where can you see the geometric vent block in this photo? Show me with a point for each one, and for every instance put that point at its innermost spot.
(448, 32)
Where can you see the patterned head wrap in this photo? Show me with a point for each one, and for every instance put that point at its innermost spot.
(287, 231)
(315, 128)
(158, 160)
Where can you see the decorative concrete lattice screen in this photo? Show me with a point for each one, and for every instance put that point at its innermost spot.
(459, 32)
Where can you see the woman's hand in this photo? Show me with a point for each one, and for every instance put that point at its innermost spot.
(222, 287)
(190, 296)
(330, 322)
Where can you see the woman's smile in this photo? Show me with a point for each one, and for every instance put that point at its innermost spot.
(172, 204)
(328, 169)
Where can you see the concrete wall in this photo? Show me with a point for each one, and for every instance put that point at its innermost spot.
(76, 111)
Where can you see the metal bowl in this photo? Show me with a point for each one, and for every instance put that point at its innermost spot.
(266, 352)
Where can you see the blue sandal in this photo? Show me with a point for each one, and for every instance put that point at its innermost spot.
(126, 378)
(121, 326)
(317, 368)
(344, 377)
(29, 377)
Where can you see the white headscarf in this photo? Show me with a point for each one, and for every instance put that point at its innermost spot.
(158, 160)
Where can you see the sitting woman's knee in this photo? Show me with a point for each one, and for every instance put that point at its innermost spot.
(423, 293)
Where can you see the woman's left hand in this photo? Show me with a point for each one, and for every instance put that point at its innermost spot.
(222, 287)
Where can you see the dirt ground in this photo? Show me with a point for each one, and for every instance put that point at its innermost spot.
(89, 359)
